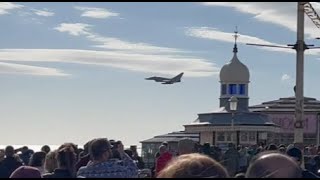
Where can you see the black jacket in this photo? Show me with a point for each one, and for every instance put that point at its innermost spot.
(7, 166)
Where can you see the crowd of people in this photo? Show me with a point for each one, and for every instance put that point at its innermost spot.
(103, 158)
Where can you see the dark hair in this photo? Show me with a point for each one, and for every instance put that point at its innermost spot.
(98, 147)
(272, 147)
(9, 151)
(66, 158)
(45, 149)
(37, 159)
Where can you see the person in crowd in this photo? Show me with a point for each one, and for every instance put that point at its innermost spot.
(296, 154)
(104, 166)
(2, 155)
(272, 147)
(66, 160)
(45, 149)
(186, 146)
(37, 161)
(50, 163)
(26, 172)
(193, 165)
(163, 159)
(85, 156)
(282, 150)
(273, 165)
(231, 160)
(138, 159)
(243, 159)
(10, 163)
(25, 155)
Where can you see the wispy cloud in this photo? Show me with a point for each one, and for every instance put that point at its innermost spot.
(215, 34)
(162, 64)
(74, 29)
(98, 13)
(120, 54)
(5, 7)
(111, 43)
(43, 12)
(283, 14)
(12, 68)
(285, 77)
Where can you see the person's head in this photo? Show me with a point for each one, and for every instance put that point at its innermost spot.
(24, 149)
(66, 158)
(272, 147)
(26, 172)
(165, 143)
(273, 165)
(100, 150)
(186, 146)
(50, 163)
(9, 151)
(162, 149)
(296, 154)
(193, 166)
(37, 159)
(45, 149)
(282, 150)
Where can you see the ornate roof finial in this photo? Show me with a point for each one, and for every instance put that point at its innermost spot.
(235, 49)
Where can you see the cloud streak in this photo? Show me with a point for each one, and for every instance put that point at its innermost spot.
(97, 13)
(44, 12)
(12, 68)
(162, 64)
(283, 14)
(110, 43)
(5, 7)
(215, 34)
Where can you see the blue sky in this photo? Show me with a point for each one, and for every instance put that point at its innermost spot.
(75, 71)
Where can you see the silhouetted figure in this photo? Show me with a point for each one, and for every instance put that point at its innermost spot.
(231, 160)
(45, 149)
(37, 161)
(10, 163)
(296, 154)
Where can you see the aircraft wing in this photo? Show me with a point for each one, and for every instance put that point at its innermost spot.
(167, 82)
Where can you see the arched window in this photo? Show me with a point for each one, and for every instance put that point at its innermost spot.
(232, 89)
(242, 89)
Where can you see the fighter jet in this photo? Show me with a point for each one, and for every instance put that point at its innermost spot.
(166, 80)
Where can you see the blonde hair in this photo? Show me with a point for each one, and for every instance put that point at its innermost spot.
(193, 165)
(51, 163)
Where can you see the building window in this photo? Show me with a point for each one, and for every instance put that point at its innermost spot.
(223, 89)
(244, 136)
(232, 89)
(220, 136)
(252, 136)
(242, 89)
(228, 136)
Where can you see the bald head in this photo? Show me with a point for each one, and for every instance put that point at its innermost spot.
(273, 165)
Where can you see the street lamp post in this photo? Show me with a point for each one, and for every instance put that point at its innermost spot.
(233, 102)
(318, 128)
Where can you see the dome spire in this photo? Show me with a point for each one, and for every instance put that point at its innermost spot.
(235, 49)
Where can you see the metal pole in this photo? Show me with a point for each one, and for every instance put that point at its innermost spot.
(300, 47)
(232, 128)
(318, 130)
